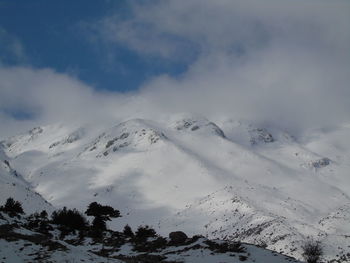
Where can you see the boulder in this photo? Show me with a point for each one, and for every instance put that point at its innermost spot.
(177, 237)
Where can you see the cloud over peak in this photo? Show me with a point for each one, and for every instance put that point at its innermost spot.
(285, 63)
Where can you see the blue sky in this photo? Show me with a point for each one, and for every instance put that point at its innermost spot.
(279, 62)
(54, 34)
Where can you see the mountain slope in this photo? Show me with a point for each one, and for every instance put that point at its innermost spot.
(150, 170)
(13, 185)
(22, 239)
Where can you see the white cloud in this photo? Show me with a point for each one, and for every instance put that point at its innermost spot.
(49, 97)
(165, 27)
(280, 62)
(284, 62)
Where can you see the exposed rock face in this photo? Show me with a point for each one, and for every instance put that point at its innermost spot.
(71, 138)
(260, 135)
(320, 163)
(36, 130)
(178, 237)
(131, 135)
(193, 124)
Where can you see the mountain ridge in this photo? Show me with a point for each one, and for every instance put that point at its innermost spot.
(165, 166)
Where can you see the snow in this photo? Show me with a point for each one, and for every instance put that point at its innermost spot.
(186, 172)
(13, 185)
(20, 244)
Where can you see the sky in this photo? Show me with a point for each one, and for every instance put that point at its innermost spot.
(56, 34)
(276, 62)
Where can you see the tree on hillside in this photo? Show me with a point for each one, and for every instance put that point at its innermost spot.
(128, 231)
(101, 214)
(72, 219)
(144, 232)
(39, 222)
(312, 251)
(12, 207)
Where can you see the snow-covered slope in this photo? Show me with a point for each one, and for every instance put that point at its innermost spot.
(280, 223)
(13, 185)
(22, 241)
(227, 179)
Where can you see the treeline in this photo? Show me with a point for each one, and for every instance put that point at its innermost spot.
(71, 221)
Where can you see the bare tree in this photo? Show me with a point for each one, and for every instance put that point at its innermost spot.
(312, 251)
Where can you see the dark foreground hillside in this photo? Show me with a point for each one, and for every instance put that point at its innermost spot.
(38, 238)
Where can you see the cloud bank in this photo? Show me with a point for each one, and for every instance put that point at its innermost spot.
(30, 97)
(284, 63)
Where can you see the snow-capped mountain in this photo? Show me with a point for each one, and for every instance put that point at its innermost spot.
(227, 179)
